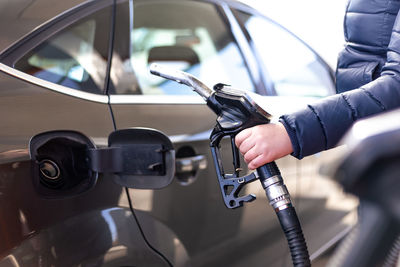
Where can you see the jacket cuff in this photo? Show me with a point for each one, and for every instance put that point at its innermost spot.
(293, 137)
(306, 132)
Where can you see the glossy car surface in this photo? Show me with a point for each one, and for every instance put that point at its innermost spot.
(83, 66)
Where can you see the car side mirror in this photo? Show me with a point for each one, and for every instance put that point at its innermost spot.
(67, 163)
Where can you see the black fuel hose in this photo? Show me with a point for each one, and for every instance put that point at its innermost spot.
(277, 194)
(393, 256)
(294, 235)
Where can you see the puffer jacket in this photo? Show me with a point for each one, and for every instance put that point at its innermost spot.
(367, 78)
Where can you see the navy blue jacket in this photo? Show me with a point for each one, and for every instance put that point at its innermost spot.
(367, 78)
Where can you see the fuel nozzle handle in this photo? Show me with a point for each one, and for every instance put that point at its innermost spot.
(182, 77)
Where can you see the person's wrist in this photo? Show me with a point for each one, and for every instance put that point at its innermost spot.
(292, 136)
(286, 144)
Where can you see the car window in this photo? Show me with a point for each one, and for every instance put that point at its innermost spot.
(186, 35)
(294, 68)
(75, 57)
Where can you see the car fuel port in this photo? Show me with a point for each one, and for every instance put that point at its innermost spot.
(60, 165)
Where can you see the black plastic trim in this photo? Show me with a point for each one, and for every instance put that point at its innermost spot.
(259, 84)
(265, 77)
(110, 48)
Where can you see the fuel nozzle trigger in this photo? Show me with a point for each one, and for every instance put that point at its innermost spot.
(230, 184)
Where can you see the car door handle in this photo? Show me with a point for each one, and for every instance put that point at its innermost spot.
(190, 164)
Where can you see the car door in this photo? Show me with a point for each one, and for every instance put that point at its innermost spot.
(55, 80)
(193, 36)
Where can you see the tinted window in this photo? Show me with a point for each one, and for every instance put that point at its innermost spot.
(187, 35)
(75, 57)
(295, 70)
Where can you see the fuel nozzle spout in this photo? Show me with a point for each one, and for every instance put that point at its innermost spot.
(182, 77)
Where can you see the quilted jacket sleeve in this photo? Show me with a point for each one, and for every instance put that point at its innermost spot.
(321, 125)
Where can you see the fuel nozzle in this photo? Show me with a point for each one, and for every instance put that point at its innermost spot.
(237, 111)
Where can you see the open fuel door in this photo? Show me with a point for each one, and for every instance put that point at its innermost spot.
(67, 163)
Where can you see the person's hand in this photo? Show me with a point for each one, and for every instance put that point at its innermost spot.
(262, 144)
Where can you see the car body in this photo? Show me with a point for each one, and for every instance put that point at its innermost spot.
(83, 66)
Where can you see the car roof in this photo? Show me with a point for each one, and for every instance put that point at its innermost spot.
(19, 17)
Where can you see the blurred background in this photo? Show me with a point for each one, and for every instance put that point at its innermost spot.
(318, 22)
